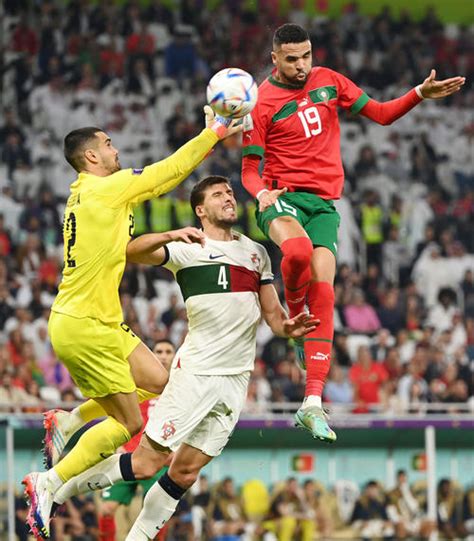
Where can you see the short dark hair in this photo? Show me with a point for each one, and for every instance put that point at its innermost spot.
(289, 33)
(74, 143)
(199, 189)
(165, 341)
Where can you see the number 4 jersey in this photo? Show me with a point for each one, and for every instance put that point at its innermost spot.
(297, 131)
(220, 283)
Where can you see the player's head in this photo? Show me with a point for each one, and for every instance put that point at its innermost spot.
(90, 149)
(213, 202)
(291, 54)
(165, 351)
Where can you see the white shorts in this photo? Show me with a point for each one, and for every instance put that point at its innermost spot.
(201, 411)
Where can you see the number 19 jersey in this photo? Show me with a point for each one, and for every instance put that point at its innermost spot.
(297, 131)
(98, 224)
(220, 283)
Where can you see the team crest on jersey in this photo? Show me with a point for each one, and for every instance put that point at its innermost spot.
(255, 260)
(322, 94)
(168, 430)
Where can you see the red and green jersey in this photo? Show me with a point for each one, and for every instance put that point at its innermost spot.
(297, 131)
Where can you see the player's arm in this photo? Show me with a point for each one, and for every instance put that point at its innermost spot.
(254, 141)
(277, 319)
(387, 112)
(254, 184)
(150, 249)
(134, 186)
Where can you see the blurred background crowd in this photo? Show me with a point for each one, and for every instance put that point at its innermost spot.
(288, 511)
(405, 285)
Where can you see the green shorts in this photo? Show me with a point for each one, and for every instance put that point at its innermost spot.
(318, 217)
(124, 492)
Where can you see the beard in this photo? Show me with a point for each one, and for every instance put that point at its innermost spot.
(225, 223)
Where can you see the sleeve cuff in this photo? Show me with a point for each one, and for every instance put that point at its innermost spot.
(253, 149)
(167, 256)
(418, 92)
(360, 102)
(266, 281)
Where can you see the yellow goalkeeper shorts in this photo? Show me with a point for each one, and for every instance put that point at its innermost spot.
(95, 353)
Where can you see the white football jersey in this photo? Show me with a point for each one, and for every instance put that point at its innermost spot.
(220, 283)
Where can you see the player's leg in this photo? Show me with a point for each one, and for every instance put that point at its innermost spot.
(149, 375)
(283, 223)
(205, 441)
(163, 497)
(296, 248)
(96, 444)
(94, 355)
(322, 229)
(168, 426)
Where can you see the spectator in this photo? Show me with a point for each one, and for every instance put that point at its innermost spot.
(368, 379)
(404, 511)
(360, 316)
(370, 517)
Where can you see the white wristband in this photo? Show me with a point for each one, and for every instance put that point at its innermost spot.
(260, 193)
(418, 92)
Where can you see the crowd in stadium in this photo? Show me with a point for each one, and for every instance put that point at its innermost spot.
(291, 510)
(405, 285)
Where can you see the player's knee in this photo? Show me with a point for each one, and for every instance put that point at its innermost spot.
(298, 252)
(185, 476)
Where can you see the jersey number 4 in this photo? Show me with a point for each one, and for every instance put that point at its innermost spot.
(311, 121)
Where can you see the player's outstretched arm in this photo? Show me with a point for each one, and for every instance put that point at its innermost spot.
(132, 186)
(277, 319)
(387, 112)
(149, 249)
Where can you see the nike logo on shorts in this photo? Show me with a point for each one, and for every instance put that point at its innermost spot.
(215, 256)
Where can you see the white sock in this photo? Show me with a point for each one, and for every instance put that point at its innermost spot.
(55, 481)
(75, 421)
(102, 475)
(312, 400)
(158, 508)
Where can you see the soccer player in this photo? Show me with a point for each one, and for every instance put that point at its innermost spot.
(295, 129)
(226, 284)
(105, 358)
(123, 493)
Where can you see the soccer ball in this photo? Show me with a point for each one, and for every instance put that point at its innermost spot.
(232, 92)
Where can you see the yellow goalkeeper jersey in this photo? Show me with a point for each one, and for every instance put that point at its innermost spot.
(98, 224)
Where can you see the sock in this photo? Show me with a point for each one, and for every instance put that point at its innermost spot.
(90, 410)
(312, 400)
(318, 344)
(102, 475)
(96, 444)
(126, 469)
(296, 272)
(107, 528)
(158, 507)
(55, 482)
